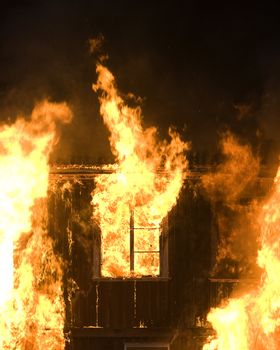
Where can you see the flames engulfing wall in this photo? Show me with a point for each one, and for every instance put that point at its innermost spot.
(146, 182)
(31, 301)
(251, 321)
(225, 187)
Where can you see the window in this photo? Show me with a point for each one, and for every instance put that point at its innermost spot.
(148, 255)
(147, 247)
(146, 346)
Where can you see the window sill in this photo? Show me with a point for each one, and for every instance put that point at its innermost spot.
(132, 279)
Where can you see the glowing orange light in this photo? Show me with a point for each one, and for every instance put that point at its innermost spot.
(252, 322)
(146, 181)
(31, 302)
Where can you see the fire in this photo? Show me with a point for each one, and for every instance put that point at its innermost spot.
(239, 168)
(252, 322)
(224, 187)
(31, 302)
(131, 203)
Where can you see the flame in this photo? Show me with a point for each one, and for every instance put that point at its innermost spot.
(31, 302)
(230, 181)
(252, 322)
(144, 186)
(233, 175)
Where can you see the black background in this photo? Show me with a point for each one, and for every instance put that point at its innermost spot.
(203, 67)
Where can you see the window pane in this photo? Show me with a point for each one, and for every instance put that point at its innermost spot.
(146, 264)
(143, 217)
(146, 240)
(115, 244)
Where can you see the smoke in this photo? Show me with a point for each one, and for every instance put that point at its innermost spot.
(251, 320)
(231, 178)
(228, 189)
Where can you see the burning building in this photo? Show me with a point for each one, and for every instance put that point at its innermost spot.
(166, 309)
(134, 254)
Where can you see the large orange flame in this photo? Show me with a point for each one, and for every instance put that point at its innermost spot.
(144, 186)
(31, 302)
(252, 322)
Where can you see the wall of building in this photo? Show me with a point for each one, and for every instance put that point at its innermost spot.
(105, 314)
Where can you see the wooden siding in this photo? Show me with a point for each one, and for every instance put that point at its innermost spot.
(105, 314)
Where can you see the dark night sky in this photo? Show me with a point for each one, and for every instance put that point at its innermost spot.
(201, 69)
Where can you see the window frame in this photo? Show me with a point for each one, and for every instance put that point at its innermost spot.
(163, 255)
(147, 345)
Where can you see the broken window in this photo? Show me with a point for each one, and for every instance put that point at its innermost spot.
(146, 248)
